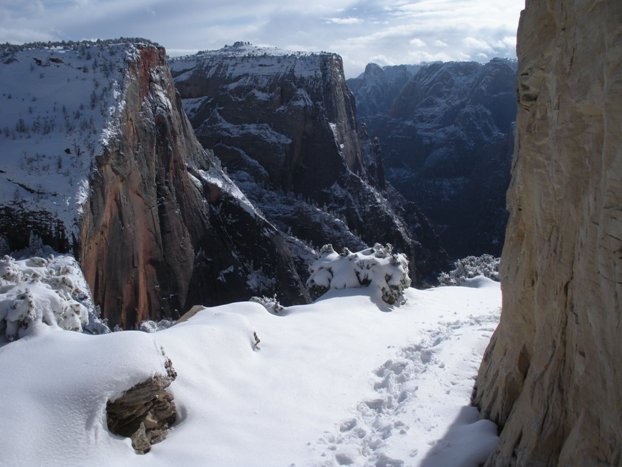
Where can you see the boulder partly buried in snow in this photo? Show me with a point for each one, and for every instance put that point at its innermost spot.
(384, 272)
(144, 412)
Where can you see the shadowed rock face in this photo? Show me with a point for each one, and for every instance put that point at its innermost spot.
(446, 135)
(551, 375)
(284, 125)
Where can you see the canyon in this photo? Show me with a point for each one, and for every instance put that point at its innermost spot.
(446, 134)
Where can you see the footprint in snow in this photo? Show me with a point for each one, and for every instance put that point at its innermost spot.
(378, 419)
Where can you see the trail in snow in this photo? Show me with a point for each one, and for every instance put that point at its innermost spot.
(409, 391)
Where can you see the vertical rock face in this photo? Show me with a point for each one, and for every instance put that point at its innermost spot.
(284, 124)
(446, 136)
(551, 376)
(136, 246)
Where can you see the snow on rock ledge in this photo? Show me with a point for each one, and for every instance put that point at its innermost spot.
(49, 290)
(377, 267)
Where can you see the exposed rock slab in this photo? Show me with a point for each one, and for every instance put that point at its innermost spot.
(144, 412)
(551, 376)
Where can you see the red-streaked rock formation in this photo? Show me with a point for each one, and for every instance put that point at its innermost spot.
(154, 226)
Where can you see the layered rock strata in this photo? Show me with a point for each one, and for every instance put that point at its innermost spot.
(144, 412)
(551, 377)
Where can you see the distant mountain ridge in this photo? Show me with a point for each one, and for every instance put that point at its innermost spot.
(446, 132)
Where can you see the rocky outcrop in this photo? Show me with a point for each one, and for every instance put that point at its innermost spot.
(284, 125)
(156, 224)
(446, 135)
(551, 376)
(144, 412)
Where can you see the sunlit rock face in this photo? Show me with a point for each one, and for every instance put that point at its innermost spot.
(551, 376)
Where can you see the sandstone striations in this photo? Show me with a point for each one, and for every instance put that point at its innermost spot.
(284, 124)
(551, 376)
(121, 179)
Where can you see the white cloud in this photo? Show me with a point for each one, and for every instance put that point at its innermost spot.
(359, 30)
(477, 44)
(348, 20)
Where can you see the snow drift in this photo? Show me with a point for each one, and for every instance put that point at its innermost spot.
(332, 383)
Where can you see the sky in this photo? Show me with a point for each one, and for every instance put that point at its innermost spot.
(386, 32)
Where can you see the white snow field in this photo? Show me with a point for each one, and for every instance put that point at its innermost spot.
(337, 382)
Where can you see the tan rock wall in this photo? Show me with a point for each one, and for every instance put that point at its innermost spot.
(552, 375)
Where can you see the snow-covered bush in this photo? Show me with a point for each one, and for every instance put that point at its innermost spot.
(49, 290)
(378, 268)
(269, 303)
(470, 267)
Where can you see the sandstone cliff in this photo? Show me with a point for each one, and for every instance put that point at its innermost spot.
(284, 124)
(551, 376)
(156, 224)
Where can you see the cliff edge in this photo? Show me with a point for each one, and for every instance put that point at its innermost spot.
(551, 377)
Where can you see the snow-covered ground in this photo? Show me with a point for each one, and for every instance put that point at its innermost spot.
(337, 382)
(61, 105)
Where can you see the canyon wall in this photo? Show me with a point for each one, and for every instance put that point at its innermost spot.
(551, 377)
(284, 125)
(164, 228)
(446, 133)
